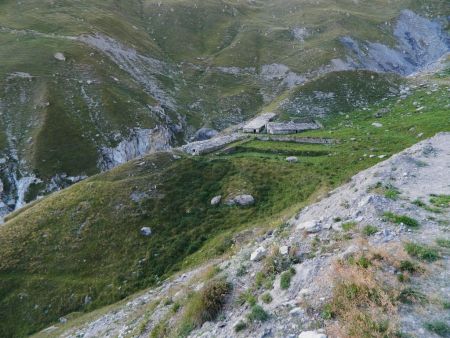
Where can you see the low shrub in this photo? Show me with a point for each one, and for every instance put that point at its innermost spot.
(257, 313)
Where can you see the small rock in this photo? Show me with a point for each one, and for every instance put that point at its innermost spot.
(377, 124)
(284, 250)
(296, 312)
(59, 56)
(311, 334)
(258, 254)
(216, 200)
(310, 226)
(146, 231)
(292, 159)
(63, 320)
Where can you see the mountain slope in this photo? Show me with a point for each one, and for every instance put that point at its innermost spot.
(406, 290)
(81, 248)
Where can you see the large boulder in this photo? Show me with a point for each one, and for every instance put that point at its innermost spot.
(241, 200)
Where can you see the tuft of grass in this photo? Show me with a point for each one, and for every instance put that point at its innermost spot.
(441, 328)
(411, 296)
(392, 193)
(246, 297)
(422, 252)
(445, 243)
(266, 298)
(204, 305)
(349, 226)
(241, 325)
(408, 266)
(257, 313)
(369, 230)
(285, 278)
(440, 201)
(401, 219)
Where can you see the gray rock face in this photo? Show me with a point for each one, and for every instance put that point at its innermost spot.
(216, 200)
(420, 42)
(241, 200)
(146, 231)
(205, 134)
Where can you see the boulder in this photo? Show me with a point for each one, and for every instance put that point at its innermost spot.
(59, 56)
(242, 200)
(205, 134)
(377, 124)
(292, 159)
(216, 200)
(310, 226)
(146, 231)
(258, 254)
(312, 334)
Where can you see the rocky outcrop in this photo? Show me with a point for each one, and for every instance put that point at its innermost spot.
(420, 42)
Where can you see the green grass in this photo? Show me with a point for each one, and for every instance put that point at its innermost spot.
(347, 226)
(266, 298)
(441, 201)
(445, 243)
(438, 327)
(401, 219)
(369, 230)
(422, 252)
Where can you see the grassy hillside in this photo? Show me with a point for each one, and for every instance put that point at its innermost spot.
(99, 100)
(81, 248)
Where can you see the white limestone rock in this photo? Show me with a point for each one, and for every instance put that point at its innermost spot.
(258, 254)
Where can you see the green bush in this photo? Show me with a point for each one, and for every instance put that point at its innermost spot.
(285, 279)
(257, 313)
